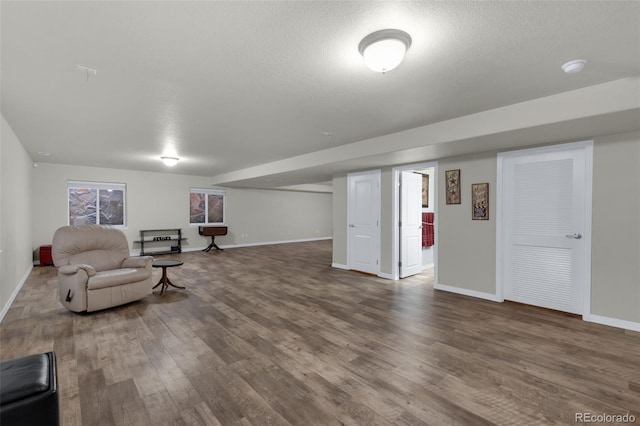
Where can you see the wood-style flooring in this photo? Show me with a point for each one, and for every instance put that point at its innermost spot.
(274, 335)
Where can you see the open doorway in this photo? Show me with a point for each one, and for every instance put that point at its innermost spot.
(404, 209)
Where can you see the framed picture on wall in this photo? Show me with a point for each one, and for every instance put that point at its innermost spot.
(425, 191)
(480, 201)
(452, 188)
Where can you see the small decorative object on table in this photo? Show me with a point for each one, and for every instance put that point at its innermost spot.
(160, 241)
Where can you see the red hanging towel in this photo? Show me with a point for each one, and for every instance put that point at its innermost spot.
(427, 229)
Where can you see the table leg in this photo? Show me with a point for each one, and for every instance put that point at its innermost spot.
(172, 284)
(165, 281)
(213, 245)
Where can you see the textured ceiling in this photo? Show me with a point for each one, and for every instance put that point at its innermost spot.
(236, 85)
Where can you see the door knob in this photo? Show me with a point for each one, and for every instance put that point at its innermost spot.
(576, 236)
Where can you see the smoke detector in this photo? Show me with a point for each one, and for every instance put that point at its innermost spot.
(574, 66)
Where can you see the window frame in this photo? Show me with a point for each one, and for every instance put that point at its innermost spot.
(97, 186)
(207, 192)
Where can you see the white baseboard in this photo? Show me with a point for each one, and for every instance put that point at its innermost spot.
(614, 322)
(428, 266)
(269, 243)
(385, 275)
(6, 307)
(467, 292)
(340, 266)
(188, 249)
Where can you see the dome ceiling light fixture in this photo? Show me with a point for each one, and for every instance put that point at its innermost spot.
(383, 50)
(574, 66)
(169, 161)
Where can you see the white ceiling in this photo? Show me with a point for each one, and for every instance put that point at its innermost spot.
(243, 91)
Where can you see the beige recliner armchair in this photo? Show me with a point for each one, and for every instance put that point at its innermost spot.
(94, 268)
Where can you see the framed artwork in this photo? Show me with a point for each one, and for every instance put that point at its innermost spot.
(452, 189)
(425, 191)
(480, 201)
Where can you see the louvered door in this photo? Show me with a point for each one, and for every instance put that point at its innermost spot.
(544, 225)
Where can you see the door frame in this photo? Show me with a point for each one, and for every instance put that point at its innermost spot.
(378, 173)
(501, 248)
(395, 216)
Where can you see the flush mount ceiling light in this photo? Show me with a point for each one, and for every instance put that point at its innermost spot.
(575, 66)
(170, 161)
(384, 50)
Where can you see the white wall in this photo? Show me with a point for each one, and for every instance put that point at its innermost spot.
(340, 202)
(615, 252)
(466, 247)
(15, 214)
(161, 200)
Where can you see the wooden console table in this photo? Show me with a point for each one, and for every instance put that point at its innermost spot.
(212, 231)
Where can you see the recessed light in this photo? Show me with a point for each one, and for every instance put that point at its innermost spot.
(574, 66)
(44, 153)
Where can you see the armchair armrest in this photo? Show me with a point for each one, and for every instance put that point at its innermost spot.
(73, 269)
(72, 285)
(137, 262)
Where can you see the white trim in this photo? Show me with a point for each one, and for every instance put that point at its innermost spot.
(428, 266)
(100, 186)
(210, 191)
(467, 292)
(97, 185)
(340, 266)
(499, 225)
(385, 275)
(587, 146)
(188, 249)
(213, 191)
(588, 209)
(268, 243)
(13, 296)
(614, 322)
(396, 212)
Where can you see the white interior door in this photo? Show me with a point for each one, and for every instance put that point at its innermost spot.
(410, 224)
(545, 251)
(364, 221)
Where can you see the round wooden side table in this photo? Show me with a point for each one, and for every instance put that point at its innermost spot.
(165, 281)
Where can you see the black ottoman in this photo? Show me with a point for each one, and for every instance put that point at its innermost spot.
(28, 391)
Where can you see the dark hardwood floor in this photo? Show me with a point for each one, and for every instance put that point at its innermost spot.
(274, 335)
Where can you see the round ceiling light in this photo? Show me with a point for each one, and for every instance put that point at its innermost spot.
(170, 161)
(384, 50)
(575, 66)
